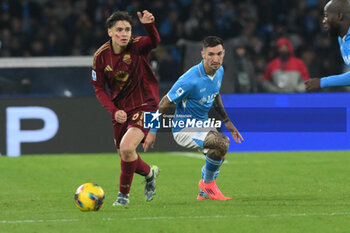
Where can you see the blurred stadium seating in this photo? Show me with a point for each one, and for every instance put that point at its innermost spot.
(35, 28)
(46, 50)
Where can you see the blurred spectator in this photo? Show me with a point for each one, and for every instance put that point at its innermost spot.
(74, 27)
(168, 28)
(191, 53)
(239, 73)
(259, 65)
(286, 73)
(312, 62)
(167, 65)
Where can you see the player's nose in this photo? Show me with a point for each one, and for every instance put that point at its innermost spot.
(216, 59)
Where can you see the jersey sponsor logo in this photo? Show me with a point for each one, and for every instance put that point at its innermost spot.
(127, 59)
(208, 99)
(108, 68)
(93, 76)
(203, 100)
(180, 91)
(122, 76)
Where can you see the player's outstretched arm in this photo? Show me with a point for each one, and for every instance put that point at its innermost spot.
(312, 84)
(145, 17)
(147, 43)
(339, 80)
(219, 107)
(234, 132)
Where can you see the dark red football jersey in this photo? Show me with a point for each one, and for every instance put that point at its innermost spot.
(128, 75)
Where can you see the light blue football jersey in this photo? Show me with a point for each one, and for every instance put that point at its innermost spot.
(194, 93)
(340, 79)
(344, 44)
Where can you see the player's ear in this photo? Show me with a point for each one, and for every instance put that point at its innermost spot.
(110, 33)
(340, 16)
(223, 53)
(202, 53)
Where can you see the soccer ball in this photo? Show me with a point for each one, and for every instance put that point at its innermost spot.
(89, 197)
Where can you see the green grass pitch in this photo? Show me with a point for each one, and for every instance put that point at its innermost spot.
(271, 192)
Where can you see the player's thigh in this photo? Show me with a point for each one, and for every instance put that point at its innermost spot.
(191, 138)
(119, 131)
(131, 139)
(134, 119)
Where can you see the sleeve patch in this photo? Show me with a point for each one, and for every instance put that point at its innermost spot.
(180, 91)
(93, 76)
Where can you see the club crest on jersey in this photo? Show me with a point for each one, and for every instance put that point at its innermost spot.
(93, 76)
(127, 59)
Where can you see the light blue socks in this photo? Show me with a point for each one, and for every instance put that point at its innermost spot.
(211, 169)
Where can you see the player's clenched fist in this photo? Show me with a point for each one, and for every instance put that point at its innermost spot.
(147, 17)
(120, 116)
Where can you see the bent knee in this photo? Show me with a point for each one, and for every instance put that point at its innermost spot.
(225, 139)
(218, 142)
(126, 150)
(226, 142)
(215, 154)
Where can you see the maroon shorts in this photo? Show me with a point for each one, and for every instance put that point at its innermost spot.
(134, 119)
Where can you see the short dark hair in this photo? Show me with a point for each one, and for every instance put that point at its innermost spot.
(212, 41)
(118, 16)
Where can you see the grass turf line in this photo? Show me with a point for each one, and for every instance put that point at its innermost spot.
(272, 192)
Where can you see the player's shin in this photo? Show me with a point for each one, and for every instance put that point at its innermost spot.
(217, 172)
(126, 176)
(212, 163)
(142, 167)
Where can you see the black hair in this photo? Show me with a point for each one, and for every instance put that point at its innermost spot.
(118, 16)
(212, 41)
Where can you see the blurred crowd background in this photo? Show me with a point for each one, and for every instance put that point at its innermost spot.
(250, 29)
